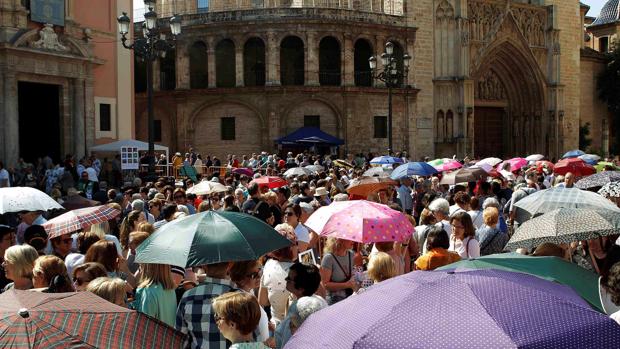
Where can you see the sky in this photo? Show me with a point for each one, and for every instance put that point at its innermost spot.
(595, 8)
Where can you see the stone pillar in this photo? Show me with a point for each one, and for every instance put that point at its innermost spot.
(11, 120)
(348, 61)
(182, 66)
(239, 63)
(89, 111)
(211, 62)
(312, 59)
(78, 125)
(379, 49)
(273, 60)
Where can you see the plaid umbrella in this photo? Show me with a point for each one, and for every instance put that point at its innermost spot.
(297, 171)
(270, 181)
(598, 179)
(377, 172)
(549, 199)
(574, 165)
(464, 175)
(364, 186)
(207, 188)
(490, 309)
(565, 225)
(82, 218)
(610, 190)
(17, 199)
(39, 320)
(342, 163)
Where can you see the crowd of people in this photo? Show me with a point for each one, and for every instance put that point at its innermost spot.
(261, 303)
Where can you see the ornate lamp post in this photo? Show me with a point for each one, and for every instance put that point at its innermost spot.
(392, 75)
(149, 47)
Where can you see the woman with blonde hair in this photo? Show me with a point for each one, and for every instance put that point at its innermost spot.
(337, 270)
(155, 294)
(50, 275)
(246, 275)
(18, 263)
(112, 290)
(492, 240)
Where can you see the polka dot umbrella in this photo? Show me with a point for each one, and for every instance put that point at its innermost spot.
(487, 309)
(361, 221)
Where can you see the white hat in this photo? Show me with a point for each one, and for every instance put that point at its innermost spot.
(306, 207)
(320, 191)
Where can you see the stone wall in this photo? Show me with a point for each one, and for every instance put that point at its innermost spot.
(592, 110)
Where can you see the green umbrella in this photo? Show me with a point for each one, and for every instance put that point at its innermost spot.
(600, 166)
(584, 282)
(210, 237)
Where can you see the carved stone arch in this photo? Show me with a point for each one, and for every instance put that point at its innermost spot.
(75, 46)
(196, 112)
(444, 10)
(368, 39)
(286, 111)
(250, 35)
(333, 35)
(283, 36)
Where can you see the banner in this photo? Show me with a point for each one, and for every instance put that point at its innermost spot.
(130, 159)
(48, 11)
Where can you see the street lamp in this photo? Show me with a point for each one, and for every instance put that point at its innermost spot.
(149, 47)
(391, 75)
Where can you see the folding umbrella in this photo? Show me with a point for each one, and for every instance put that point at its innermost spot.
(207, 188)
(270, 181)
(535, 157)
(584, 282)
(515, 164)
(17, 199)
(377, 172)
(386, 160)
(40, 320)
(361, 221)
(464, 175)
(413, 169)
(565, 225)
(210, 237)
(550, 199)
(75, 220)
(490, 161)
(574, 165)
(490, 309)
(598, 179)
(573, 154)
(364, 186)
(297, 171)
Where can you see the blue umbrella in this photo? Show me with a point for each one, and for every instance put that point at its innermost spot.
(590, 159)
(573, 154)
(413, 169)
(468, 309)
(386, 160)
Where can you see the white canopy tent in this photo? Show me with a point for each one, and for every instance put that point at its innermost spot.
(116, 146)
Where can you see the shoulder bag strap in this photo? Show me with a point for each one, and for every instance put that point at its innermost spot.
(348, 276)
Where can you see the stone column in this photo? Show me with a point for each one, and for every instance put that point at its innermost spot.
(211, 62)
(272, 66)
(78, 118)
(348, 61)
(379, 49)
(11, 120)
(239, 63)
(182, 66)
(312, 59)
(89, 111)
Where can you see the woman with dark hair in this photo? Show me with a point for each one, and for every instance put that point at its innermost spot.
(437, 244)
(85, 273)
(292, 216)
(130, 223)
(463, 238)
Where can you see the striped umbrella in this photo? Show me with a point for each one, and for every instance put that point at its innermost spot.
(550, 199)
(82, 218)
(598, 179)
(565, 225)
(77, 320)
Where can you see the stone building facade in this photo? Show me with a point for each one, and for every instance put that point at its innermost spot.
(488, 77)
(62, 80)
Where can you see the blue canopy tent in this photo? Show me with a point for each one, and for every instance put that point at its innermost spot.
(309, 136)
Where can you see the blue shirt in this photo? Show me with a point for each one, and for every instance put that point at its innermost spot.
(403, 193)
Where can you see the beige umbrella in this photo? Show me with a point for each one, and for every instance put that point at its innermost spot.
(207, 188)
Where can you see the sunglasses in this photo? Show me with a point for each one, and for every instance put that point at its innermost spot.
(80, 281)
(289, 213)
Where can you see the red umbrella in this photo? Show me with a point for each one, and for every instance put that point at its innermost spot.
(544, 164)
(270, 181)
(78, 219)
(77, 320)
(574, 165)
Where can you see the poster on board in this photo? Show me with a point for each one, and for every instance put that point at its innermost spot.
(130, 159)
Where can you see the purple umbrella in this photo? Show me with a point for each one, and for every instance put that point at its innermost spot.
(470, 309)
(243, 171)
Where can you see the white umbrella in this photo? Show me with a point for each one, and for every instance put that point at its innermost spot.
(483, 165)
(315, 168)
(377, 172)
(490, 161)
(19, 199)
(535, 157)
(207, 188)
(297, 171)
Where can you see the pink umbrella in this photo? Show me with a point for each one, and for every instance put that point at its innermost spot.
(449, 166)
(360, 221)
(78, 219)
(515, 164)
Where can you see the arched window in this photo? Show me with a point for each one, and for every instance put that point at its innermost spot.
(439, 127)
(254, 62)
(292, 61)
(329, 62)
(398, 56)
(198, 65)
(167, 71)
(225, 64)
(362, 73)
(449, 124)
